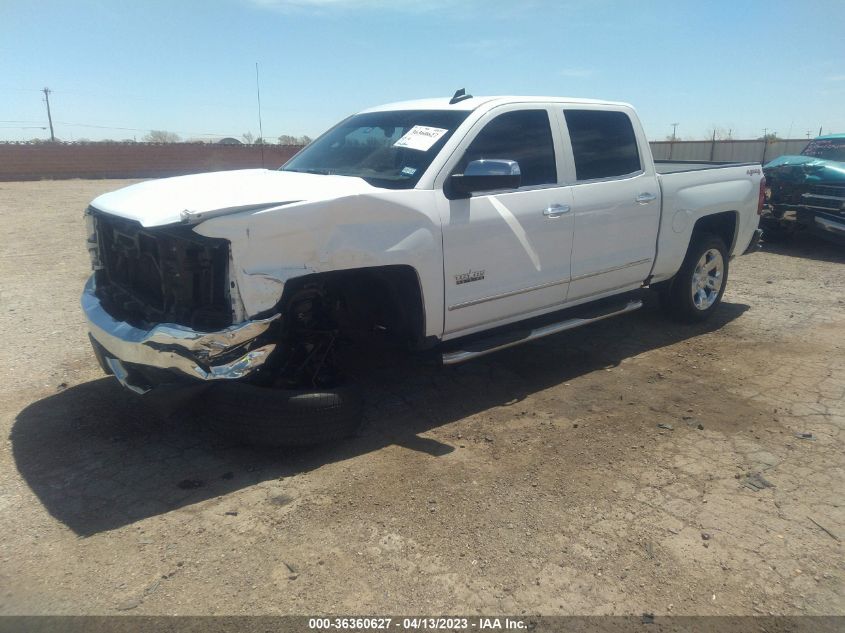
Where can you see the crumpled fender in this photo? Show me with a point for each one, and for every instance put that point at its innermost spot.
(272, 246)
(804, 170)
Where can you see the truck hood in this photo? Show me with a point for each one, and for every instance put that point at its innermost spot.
(190, 199)
(805, 169)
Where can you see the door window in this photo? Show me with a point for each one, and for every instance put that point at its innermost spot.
(603, 144)
(522, 135)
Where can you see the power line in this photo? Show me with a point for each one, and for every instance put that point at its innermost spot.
(168, 98)
(136, 129)
(49, 91)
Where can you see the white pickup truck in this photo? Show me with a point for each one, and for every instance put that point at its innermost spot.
(460, 225)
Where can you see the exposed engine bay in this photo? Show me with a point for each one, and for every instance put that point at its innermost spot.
(161, 275)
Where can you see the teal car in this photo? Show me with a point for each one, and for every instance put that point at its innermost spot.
(807, 192)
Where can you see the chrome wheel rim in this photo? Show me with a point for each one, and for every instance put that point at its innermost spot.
(707, 279)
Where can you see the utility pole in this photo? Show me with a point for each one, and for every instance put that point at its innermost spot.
(47, 92)
(672, 142)
(713, 146)
(765, 144)
(260, 128)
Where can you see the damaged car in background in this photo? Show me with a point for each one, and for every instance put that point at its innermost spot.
(807, 192)
(455, 227)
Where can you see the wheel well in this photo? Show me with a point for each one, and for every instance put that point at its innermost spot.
(388, 298)
(722, 224)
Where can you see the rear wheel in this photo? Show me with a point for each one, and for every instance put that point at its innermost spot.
(697, 289)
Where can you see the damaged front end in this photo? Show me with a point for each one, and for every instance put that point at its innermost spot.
(807, 192)
(159, 307)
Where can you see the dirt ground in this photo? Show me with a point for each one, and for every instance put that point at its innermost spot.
(536, 480)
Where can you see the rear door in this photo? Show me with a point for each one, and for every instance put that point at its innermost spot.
(506, 253)
(616, 201)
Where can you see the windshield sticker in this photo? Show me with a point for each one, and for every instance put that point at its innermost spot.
(409, 171)
(420, 137)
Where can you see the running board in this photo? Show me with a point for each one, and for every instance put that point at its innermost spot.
(494, 344)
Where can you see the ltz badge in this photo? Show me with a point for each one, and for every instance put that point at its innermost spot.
(472, 275)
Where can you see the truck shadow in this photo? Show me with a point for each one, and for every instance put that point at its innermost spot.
(99, 458)
(807, 246)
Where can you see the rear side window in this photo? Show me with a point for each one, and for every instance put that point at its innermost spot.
(603, 143)
(524, 136)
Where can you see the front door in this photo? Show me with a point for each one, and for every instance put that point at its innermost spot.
(507, 253)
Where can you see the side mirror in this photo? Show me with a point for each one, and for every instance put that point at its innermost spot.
(486, 175)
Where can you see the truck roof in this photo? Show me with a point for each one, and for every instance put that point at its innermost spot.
(828, 137)
(442, 103)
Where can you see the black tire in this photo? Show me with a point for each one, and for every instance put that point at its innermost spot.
(677, 300)
(262, 416)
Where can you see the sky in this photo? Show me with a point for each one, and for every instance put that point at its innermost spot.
(119, 69)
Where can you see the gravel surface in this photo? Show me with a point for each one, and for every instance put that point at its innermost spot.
(631, 466)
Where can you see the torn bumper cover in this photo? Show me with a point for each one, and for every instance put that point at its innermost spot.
(228, 354)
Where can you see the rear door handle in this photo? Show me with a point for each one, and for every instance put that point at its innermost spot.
(645, 198)
(556, 210)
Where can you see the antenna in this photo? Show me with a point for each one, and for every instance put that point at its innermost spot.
(460, 95)
(260, 127)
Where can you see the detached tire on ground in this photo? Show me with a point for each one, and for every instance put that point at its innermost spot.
(262, 416)
(696, 290)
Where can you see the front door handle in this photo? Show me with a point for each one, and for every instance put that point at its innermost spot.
(556, 210)
(645, 198)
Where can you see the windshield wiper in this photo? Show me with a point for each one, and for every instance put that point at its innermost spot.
(312, 170)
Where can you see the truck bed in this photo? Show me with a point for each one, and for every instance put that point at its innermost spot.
(676, 166)
(691, 190)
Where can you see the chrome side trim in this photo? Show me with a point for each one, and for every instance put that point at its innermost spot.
(639, 262)
(504, 295)
(620, 177)
(604, 291)
(559, 282)
(221, 355)
(565, 303)
(460, 356)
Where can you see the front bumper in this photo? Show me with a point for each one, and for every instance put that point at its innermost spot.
(228, 354)
(829, 225)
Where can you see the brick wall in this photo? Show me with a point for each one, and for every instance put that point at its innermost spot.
(37, 161)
